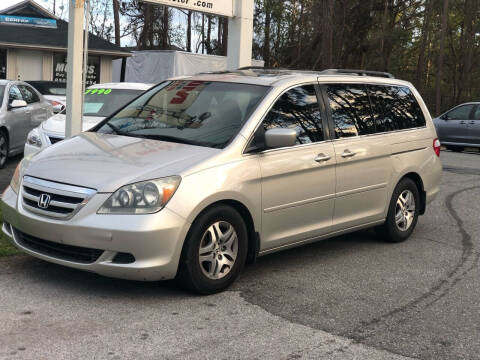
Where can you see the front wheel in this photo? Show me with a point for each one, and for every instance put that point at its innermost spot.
(403, 212)
(3, 149)
(215, 250)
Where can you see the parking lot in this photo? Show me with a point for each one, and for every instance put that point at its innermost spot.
(347, 297)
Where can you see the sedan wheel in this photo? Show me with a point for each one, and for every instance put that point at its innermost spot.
(3, 150)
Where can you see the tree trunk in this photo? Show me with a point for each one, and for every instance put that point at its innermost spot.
(439, 74)
(203, 33)
(165, 29)
(266, 33)
(208, 43)
(189, 31)
(467, 50)
(224, 36)
(421, 64)
(116, 21)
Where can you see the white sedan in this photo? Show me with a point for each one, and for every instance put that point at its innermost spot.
(101, 101)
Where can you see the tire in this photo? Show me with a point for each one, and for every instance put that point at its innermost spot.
(393, 231)
(216, 272)
(3, 149)
(454, 148)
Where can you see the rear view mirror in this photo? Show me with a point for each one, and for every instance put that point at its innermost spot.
(278, 138)
(15, 104)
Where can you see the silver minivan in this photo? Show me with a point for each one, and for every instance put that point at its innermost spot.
(202, 174)
(22, 108)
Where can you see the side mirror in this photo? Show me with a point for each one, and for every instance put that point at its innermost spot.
(444, 117)
(15, 104)
(58, 108)
(278, 138)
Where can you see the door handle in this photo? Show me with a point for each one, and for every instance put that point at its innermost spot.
(472, 122)
(463, 122)
(322, 158)
(348, 154)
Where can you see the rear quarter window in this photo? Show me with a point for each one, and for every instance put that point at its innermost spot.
(395, 108)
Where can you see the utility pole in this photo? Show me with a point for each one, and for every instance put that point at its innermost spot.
(75, 68)
(240, 34)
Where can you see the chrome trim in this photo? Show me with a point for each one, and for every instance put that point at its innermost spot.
(299, 203)
(85, 194)
(59, 186)
(7, 230)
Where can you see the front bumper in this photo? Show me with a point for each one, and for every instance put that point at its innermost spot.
(155, 240)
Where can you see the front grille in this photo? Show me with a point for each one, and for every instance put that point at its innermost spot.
(71, 253)
(54, 140)
(63, 201)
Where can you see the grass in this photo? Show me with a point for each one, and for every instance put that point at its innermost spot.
(6, 247)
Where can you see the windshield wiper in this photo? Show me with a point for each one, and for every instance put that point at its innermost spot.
(172, 139)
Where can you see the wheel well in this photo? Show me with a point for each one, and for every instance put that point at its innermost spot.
(423, 195)
(253, 236)
(4, 130)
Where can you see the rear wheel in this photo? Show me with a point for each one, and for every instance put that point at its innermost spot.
(403, 212)
(3, 149)
(215, 251)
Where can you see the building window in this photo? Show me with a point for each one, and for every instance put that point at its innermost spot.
(60, 69)
(3, 63)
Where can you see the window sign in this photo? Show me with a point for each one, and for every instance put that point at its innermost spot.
(60, 69)
(217, 7)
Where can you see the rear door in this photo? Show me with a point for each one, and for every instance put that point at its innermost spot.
(298, 182)
(452, 127)
(363, 158)
(474, 127)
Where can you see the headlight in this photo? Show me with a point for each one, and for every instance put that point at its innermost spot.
(16, 179)
(34, 138)
(146, 197)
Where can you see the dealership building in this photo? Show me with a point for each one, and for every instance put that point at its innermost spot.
(33, 46)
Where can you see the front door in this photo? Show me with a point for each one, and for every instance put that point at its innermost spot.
(18, 119)
(453, 126)
(474, 127)
(298, 183)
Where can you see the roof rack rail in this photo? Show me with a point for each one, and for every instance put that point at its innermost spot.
(357, 72)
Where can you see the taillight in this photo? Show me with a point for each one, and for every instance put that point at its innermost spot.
(437, 146)
(55, 103)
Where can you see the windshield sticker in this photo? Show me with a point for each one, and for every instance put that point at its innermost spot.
(98, 91)
(92, 108)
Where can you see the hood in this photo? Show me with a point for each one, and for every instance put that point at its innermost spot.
(56, 124)
(107, 162)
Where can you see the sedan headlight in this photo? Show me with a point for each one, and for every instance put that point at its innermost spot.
(34, 138)
(146, 197)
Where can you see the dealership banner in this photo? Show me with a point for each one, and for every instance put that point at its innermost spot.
(217, 7)
(28, 21)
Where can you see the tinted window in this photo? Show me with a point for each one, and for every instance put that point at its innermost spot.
(204, 113)
(460, 113)
(14, 94)
(351, 112)
(29, 95)
(395, 108)
(297, 109)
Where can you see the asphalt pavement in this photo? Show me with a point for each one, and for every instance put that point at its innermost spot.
(351, 297)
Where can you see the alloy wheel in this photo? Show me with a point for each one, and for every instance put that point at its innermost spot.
(405, 210)
(218, 250)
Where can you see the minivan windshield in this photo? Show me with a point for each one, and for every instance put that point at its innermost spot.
(204, 113)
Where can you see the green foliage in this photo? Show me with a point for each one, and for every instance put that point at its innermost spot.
(6, 247)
